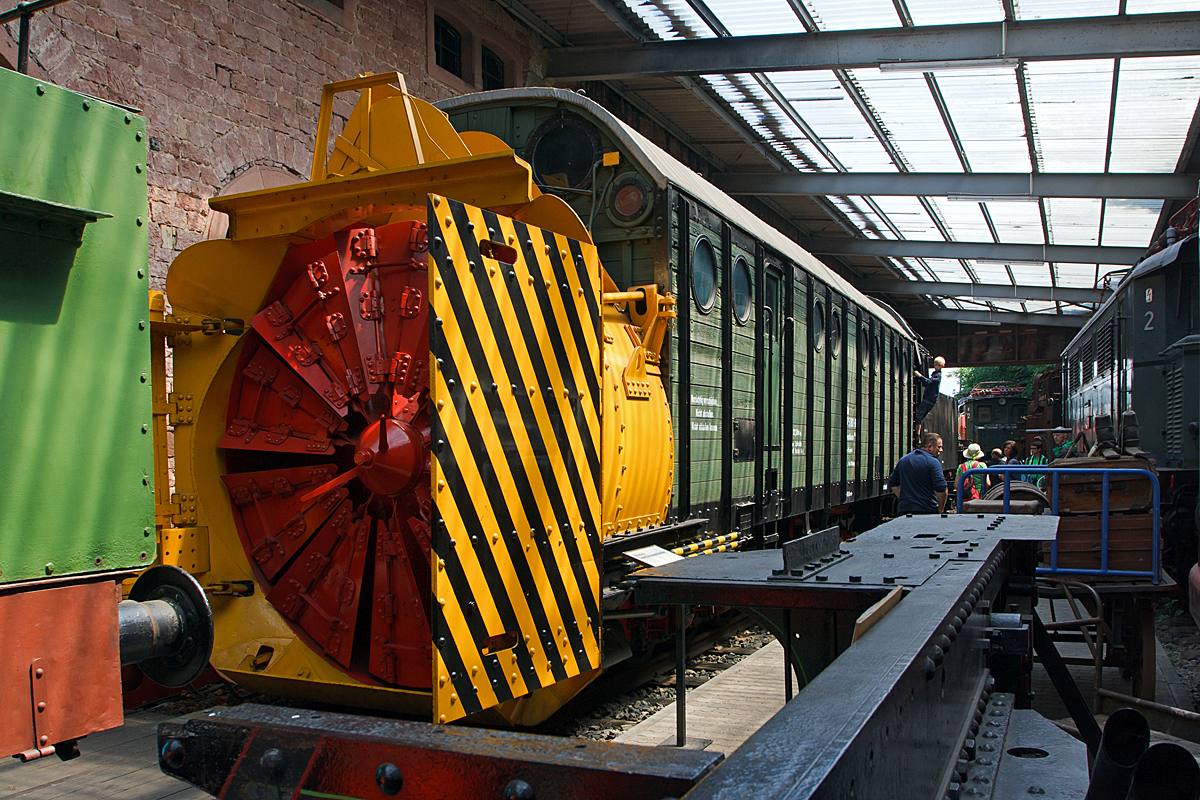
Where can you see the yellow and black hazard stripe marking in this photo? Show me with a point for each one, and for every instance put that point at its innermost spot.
(514, 381)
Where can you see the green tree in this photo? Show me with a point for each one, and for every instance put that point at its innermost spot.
(970, 377)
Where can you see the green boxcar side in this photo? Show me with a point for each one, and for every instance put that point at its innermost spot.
(75, 392)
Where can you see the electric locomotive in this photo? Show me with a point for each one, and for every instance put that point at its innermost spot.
(1141, 352)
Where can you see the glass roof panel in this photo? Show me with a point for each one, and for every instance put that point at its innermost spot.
(939, 12)
(991, 272)
(1082, 276)
(848, 15)
(908, 113)
(1061, 9)
(965, 220)
(1073, 220)
(671, 19)
(986, 110)
(819, 99)
(1030, 273)
(908, 215)
(759, 17)
(1070, 101)
(948, 269)
(1017, 223)
(1156, 99)
(1130, 223)
(1160, 6)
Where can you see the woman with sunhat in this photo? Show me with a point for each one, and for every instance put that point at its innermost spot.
(974, 460)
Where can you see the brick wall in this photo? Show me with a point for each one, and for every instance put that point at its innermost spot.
(225, 84)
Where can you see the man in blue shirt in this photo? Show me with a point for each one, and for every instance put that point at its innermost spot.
(918, 479)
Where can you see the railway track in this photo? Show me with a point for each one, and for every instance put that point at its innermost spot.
(626, 694)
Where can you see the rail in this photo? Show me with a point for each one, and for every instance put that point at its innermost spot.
(24, 12)
(1105, 478)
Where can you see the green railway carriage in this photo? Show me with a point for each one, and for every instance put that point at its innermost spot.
(790, 389)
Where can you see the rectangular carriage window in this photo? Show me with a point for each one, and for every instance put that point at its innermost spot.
(983, 415)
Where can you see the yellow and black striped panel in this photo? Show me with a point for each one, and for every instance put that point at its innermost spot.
(514, 382)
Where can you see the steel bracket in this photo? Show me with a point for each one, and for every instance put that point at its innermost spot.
(180, 409)
(185, 514)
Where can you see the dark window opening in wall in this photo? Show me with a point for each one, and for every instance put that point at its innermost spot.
(447, 46)
(493, 70)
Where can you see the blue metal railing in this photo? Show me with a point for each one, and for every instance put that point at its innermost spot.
(1105, 477)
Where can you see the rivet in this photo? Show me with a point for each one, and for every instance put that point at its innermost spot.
(87, 105)
(139, 222)
(49, 567)
(41, 90)
(137, 168)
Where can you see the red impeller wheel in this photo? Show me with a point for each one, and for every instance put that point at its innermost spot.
(326, 450)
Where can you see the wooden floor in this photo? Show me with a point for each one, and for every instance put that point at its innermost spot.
(120, 763)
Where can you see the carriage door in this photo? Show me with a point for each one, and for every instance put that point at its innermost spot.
(771, 391)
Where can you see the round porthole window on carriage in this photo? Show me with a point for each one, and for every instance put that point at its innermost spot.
(864, 347)
(704, 275)
(742, 291)
(878, 355)
(835, 333)
(818, 325)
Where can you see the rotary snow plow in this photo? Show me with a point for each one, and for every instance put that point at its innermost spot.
(404, 466)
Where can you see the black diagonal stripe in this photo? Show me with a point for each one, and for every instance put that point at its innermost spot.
(582, 352)
(464, 590)
(578, 331)
(585, 278)
(459, 582)
(474, 528)
(466, 508)
(482, 368)
(593, 309)
(534, 434)
(459, 679)
(529, 336)
(500, 426)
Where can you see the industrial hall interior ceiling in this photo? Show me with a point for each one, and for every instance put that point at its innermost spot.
(979, 164)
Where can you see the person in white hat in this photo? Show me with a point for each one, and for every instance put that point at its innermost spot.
(974, 459)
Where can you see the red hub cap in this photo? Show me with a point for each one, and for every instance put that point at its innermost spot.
(391, 466)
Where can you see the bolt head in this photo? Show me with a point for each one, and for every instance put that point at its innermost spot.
(173, 753)
(388, 779)
(518, 790)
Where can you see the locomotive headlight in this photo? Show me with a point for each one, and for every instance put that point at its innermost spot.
(629, 200)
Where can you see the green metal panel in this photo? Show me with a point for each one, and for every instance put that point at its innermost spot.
(76, 458)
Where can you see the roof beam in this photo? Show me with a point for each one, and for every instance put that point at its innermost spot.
(978, 291)
(1032, 40)
(907, 248)
(983, 186)
(997, 317)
